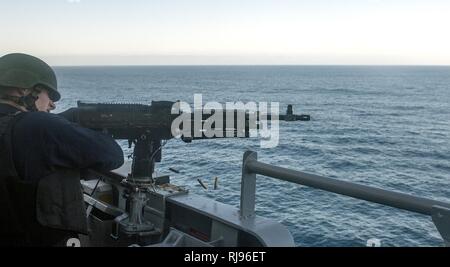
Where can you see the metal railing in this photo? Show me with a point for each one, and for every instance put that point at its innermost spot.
(439, 211)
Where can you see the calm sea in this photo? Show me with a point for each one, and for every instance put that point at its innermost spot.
(383, 126)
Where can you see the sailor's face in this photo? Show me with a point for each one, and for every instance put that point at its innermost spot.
(44, 103)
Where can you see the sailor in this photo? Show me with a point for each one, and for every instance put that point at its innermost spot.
(41, 157)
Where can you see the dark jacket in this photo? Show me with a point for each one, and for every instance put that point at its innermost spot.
(46, 152)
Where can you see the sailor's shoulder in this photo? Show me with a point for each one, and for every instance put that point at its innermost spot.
(40, 120)
(42, 116)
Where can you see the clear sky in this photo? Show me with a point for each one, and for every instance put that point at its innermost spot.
(153, 32)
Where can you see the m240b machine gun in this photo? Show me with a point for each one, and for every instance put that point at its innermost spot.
(146, 127)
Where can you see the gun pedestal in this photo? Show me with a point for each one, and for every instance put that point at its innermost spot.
(147, 151)
(135, 223)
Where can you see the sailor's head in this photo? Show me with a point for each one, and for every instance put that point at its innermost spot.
(28, 82)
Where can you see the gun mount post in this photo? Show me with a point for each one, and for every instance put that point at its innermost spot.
(147, 151)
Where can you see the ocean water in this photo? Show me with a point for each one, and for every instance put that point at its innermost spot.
(387, 127)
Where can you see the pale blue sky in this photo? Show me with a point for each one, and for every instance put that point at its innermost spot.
(135, 32)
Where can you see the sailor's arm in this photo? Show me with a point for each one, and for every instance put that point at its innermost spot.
(72, 146)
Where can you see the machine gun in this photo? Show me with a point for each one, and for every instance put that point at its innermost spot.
(146, 127)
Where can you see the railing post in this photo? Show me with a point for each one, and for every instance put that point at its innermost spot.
(441, 219)
(248, 186)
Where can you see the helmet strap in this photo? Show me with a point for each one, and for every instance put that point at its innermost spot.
(29, 102)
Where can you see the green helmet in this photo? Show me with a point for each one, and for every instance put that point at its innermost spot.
(25, 71)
